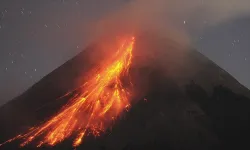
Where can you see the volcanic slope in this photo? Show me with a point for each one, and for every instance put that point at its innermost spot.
(183, 101)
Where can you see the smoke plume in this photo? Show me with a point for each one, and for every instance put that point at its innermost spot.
(169, 17)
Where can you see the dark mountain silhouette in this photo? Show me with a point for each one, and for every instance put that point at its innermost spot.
(184, 102)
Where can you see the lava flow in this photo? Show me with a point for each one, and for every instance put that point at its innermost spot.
(91, 108)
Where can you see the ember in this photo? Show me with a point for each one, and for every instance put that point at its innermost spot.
(92, 109)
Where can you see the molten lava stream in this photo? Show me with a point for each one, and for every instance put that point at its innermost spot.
(91, 111)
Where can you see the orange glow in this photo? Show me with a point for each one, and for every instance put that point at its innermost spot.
(91, 111)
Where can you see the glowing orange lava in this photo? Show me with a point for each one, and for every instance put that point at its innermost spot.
(97, 103)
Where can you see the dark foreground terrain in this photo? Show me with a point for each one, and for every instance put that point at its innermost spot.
(186, 102)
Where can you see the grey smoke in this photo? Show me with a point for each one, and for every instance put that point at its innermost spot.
(168, 16)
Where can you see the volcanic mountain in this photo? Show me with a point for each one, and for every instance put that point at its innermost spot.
(183, 101)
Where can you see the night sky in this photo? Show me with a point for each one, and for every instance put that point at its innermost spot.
(37, 36)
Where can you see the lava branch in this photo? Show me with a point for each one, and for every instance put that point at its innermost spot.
(99, 101)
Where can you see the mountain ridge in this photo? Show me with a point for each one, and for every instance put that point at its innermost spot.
(182, 88)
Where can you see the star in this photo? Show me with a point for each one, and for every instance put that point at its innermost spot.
(58, 26)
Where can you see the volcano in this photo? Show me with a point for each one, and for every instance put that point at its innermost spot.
(181, 101)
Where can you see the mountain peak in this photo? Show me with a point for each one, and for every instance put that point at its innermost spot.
(183, 100)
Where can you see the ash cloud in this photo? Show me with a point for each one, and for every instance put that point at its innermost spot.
(167, 16)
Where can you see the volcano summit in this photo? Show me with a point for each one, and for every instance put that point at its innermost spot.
(142, 92)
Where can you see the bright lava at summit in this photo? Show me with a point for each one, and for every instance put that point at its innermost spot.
(92, 107)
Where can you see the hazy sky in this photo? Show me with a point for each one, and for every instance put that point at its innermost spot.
(37, 36)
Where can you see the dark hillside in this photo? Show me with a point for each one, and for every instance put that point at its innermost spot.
(185, 102)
